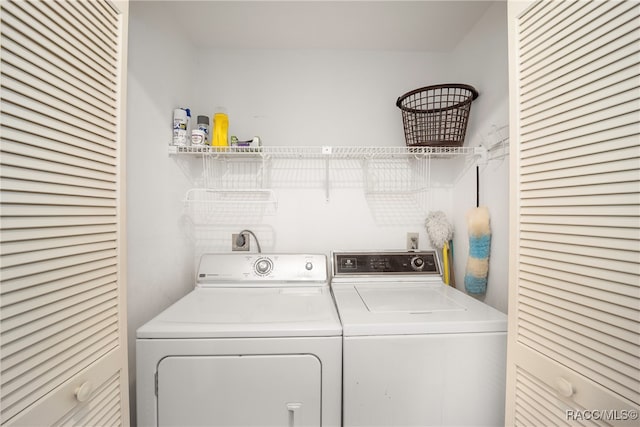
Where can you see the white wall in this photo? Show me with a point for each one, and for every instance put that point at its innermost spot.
(316, 98)
(481, 60)
(158, 251)
(295, 97)
(313, 97)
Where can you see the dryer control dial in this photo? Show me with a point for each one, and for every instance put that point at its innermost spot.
(263, 266)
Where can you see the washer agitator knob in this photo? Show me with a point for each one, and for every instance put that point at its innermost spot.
(417, 263)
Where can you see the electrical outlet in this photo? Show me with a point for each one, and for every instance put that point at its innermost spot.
(240, 242)
(412, 241)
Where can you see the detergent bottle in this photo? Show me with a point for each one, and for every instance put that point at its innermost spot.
(220, 130)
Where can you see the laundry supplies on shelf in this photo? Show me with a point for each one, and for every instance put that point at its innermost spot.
(181, 122)
(220, 130)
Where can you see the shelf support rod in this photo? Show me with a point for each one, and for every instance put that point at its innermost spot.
(326, 151)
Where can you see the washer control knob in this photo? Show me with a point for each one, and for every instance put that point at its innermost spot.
(309, 265)
(417, 263)
(263, 266)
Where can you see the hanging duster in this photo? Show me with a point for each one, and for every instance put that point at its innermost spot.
(478, 224)
(477, 271)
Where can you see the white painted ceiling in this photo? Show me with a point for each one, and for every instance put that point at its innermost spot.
(395, 25)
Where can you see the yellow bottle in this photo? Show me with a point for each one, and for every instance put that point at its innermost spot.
(445, 266)
(220, 130)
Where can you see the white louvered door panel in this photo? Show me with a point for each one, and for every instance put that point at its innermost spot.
(575, 234)
(62, 294)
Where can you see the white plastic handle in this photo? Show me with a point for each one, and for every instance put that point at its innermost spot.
(564, 387)
(84, 391)
(292, 408)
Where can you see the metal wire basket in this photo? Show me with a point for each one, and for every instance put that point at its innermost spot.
(436, 115)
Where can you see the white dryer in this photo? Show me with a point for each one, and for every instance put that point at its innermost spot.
(416, 352)
(256, 343)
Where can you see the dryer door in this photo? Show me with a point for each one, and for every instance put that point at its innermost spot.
(253, 390)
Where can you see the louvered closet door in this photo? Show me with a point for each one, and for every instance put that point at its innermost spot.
(574, 343)
(62, 330)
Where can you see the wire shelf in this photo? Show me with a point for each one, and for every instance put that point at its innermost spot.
(238, 181)
(328, 152)
(233, 173)
(210, 206)
(400, 175)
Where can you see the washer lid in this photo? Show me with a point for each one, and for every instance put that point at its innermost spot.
(247, 312)
(406, 300)
(401, 309)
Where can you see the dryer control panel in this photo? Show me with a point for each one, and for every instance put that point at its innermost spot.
(385, 263)
(260, 269)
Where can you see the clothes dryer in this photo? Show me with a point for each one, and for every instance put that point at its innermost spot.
(256, 343)
(416, 352)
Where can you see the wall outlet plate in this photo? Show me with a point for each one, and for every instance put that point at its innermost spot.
(240, 243)
(412, 241)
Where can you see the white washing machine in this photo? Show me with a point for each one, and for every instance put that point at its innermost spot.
(256, 343)
(415, 352)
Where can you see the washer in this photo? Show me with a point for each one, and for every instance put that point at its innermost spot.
(256, 343)
(415, 352)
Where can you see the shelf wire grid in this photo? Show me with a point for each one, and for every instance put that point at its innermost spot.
(347, 152)
(239, 181)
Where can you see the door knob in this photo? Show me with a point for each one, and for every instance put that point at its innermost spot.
(84, 391)
(564, 387)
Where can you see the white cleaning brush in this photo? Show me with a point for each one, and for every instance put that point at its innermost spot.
(439, 229)
(440, 232)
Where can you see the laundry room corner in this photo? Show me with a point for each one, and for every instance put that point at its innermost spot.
(486, 69)
(160, 255)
